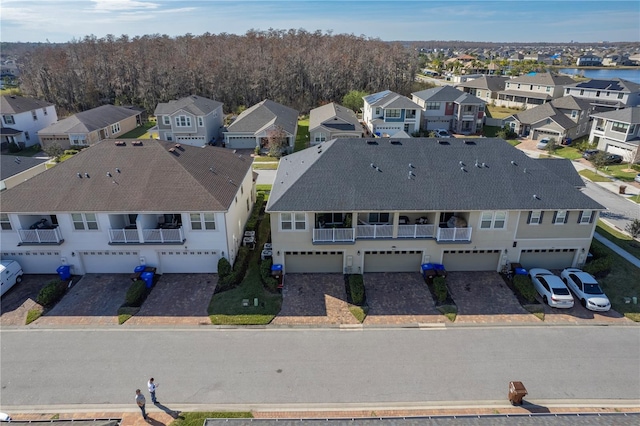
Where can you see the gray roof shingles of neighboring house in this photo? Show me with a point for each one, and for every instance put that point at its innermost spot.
(11, 165)
(624, 115)
(552, 110)
(493, 83)
(151, 178)
(345, 175)
(90, 120)
(345, 118)
(389, 99)
(544, 78)
(263, 115)
(196, 105)
(447, 94)
(11, 104)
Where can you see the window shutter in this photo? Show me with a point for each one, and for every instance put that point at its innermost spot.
(580, 215)
(541, 216)
(566, 218)
(555, 214)
(529, 218)
(593, 216)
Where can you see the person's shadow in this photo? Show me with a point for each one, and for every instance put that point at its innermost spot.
(172, 413)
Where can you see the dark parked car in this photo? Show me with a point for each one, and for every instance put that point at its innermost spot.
(613, 159)
(590, 153)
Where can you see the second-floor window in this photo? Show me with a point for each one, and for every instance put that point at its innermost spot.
(183, 121)
(411, 113)
(432, 105)
(392, 113)
(293, 221)
(8, 119)
(84, 221)
(44, 111)
(535, 217)
(379, 217)
(620, 95)
(5, 224)
(586, 216)
(201, 121)
(495, 220)
(115, 128)
(574, 114)
(34, 114)
(320, 137)
(619, 127)
(26, 135)
(200, 221)
(560, 217)
(166, 120)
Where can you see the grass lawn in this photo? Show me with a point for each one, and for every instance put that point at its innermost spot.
(302, 138)
(491, 132)
(265, 166)
(198, 418)
(620, 239)
(620, 171)
(567, 152)
(10, 91)
(500, 111)
(226, 307)
(265, 159)
(141, 132)
(592, 176)
(27, 152)
(264, 187)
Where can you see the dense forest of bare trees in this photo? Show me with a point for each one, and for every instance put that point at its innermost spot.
(296, 68)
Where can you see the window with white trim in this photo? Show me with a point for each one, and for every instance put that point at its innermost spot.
(560, 217)
(166, 120)
(5, 224)
(27, 136)
(293, 221)
(586, 216)
(574, 113)
(495, 220)
(44, 111)
(115, 128)
(201, 121)
(377, 110)
(535, 217)
(8, 119)
(379, 217)
(619, 127)
(432, 105)
(202, 221)
(392, 113)
(320, 137)
(84, 221)
(34, 114)
(183, 121)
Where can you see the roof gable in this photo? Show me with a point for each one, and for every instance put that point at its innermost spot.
(91, 120)
(12, 104)
(263, 115)
(196, 105)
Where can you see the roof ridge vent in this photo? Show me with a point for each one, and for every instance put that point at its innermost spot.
(120, 143)
(372, 142)
(514, 163)
(395, 142)
(469, 142)
(178, 146)
(136, 143)
(443, 142)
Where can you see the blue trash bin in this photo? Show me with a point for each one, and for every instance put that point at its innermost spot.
(139, 268)
(428, 270)
(147, 277)
(64, 271)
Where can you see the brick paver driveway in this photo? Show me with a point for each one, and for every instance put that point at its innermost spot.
(399, 298)
(21, 298)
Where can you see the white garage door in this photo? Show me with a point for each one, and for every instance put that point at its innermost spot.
(36, 262)
(191, 140)
(242, 143)
(392, 261)
(110, 261)
(548, 259)
(471, 260)
(625, 153)
(194, 262)
(316, 262)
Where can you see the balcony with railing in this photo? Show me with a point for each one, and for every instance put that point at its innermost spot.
(374, 231)
(40, 236)
(453, 235)
(416, 231)
(124, 236)
(146, 229)
(163, 236)
(333, 235)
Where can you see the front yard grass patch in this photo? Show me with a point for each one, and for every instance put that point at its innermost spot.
(265, 166)
(492, 132)
(494, 111)
(359, 312)
(264, 187)
(33, 315)
(620, 171)
(141, 132)
(620, 239)
(537, 310)
(567, 152)
(265, 159)
(198, 418)
(593, 177)
(302, 138)
(449, 311)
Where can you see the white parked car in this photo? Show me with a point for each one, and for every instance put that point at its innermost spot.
(586, 289)
(442, 133)
(551, 288)
(543, 143)
(637, 178)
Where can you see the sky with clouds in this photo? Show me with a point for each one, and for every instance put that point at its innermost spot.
(479, 20)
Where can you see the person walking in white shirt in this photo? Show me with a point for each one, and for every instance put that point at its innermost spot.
(152, 390)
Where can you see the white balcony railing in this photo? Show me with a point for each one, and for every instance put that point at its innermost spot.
(374, 231)
(40, 236)
(162, 236)
(333, 235)
(124, 236)
(454, 234)
(416, 231)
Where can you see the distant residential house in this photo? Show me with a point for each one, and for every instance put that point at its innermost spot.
(253, 127)
(15, 170)
(561, 118)
(332, 121)
(22, 118)
(618, 132)
(192, 120)
(616, 60)
(532, 89)
(387, 113)
(89, 127)
(485, 87)
(449, 108)
(119, 204)
(588, 60)
(606, 95)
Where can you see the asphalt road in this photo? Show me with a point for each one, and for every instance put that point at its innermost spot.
(376, 367)
(620, 211)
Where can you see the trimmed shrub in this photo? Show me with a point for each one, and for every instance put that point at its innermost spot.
(599, 267)
(136, 293)
(356, 288)
(252, 223)
(440, 288)
(51, 293)
(239, 270)
(525, 287)
(265, 273)
(224, 268)
(71, 151)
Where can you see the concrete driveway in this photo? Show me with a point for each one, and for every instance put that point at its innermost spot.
(21, 298)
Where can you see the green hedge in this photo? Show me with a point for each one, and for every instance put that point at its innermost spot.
(238, 272)
(51, 293)
(525, 287)
(356, 288)
(224, 268)
(136, 294)
(265, 273)
(252, 223)
(599, 267)
(440, 288)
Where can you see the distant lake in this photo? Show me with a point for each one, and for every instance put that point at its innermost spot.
(605, 74)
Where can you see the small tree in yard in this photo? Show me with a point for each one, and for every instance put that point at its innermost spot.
(552, 146)
(633, 228)
(54, 150)
(276, 141)
(599, 160)
(353, 100)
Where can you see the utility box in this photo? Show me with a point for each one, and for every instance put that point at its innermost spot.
(517, 392)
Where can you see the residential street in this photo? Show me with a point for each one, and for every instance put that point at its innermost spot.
(99, 368)
(619, 211)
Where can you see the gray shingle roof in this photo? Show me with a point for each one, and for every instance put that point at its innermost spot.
(151, 179)
(9, 166)
(90, 120)
(346, 119)
(338, 176)
(447, 94)
(389, 99)
(553, 111)
(624, 115)
(196, 105)
(544, 78)
(564, 169)
(493, 83)
(263, 115)
(11, 104)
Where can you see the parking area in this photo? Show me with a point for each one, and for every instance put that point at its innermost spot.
(21, 298)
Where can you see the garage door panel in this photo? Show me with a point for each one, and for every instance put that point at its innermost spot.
(195, 262)
(37, 261)
(109, 261)
(471, 260)
(313, 262)
(242, 143)
(390, 261)
(613, 149)
(548, 259)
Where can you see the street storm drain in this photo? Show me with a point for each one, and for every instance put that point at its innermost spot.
(279, 370)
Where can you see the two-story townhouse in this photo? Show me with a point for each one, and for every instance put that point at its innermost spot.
(15, 170)
(532, 89)
(565, 117)
(387, 113)
(122, 203)
(22, 118)
(588, 60)
(618, 132)
(254, 126)
(388, 205)
(606, 95)
(485, 87)
(192, 120)
(449, 108)
(89, 127)
(332, 121)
